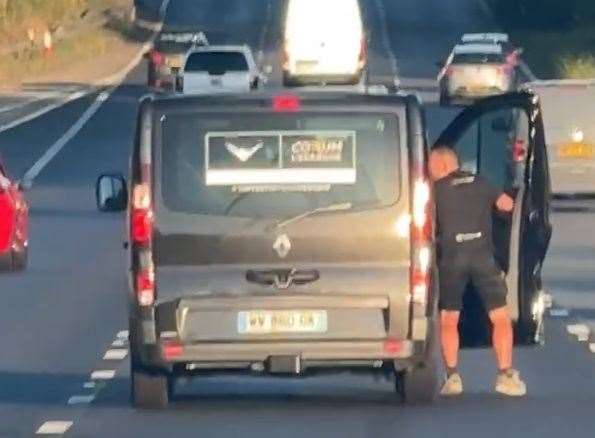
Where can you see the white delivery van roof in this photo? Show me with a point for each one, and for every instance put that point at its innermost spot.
(477, 48)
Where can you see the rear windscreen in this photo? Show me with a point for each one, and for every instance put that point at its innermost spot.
(274, 165)
(179, 42)
(216, 62)
(478, 58)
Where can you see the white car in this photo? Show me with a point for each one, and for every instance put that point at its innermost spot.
(475, 70)
(325, 42)
(219, 69)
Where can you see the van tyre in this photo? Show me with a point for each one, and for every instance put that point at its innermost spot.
(150, 391)
(19, 259)
(419, 384)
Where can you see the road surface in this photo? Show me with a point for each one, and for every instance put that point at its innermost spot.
(60, 318)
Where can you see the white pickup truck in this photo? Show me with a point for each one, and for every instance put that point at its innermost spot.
(219, 69)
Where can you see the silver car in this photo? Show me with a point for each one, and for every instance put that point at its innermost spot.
(219, 69)
(473, 71)
(569, 119)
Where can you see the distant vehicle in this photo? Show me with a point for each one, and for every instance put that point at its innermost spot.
(324, 42)
(511, 52)
(166, 59)
(14, 224)
(569, 119)
(219, 69)
(292, 234)
(475, 70)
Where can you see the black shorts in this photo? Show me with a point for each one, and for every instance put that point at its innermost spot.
(478, 268)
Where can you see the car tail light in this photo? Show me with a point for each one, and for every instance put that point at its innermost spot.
(171, 350)
(421, 239)
(157, 58)
(145, 286)
(141, 219)
(286, 103)
(518, 151)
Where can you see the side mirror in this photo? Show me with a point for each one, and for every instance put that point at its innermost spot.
(24, 185)
(111, 193)
(440, 64)
(501, 125)
(519, 51)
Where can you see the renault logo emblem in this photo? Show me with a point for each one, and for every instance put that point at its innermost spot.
(282, 246)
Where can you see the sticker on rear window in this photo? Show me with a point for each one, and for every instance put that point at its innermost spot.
(283, 157)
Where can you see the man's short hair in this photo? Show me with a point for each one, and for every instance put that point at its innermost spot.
(447, 153)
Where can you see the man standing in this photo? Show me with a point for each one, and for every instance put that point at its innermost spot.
(464, 207)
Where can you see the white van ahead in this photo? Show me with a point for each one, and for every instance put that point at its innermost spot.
(325, 42)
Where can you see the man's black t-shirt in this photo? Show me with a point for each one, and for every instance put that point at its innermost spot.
(464, 207)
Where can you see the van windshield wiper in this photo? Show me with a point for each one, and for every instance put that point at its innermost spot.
(333, 207)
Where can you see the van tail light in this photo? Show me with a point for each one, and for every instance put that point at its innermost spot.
(157, 58)
(171, 350)
(145, 286)
(286, 103)
(421, 239)
(141, 219)
(518, 151)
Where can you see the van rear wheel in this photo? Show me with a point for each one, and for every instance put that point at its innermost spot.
(418, 385)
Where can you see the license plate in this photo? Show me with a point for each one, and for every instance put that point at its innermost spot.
(305, 67)
(576, 150)
(261, 322)
(216, 82)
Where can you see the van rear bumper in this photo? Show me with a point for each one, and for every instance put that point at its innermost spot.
(256, 356)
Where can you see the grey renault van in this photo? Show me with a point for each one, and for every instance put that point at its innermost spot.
(293, 234)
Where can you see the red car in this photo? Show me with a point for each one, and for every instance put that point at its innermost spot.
(14, 224)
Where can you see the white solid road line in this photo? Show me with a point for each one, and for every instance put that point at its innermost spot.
(115, 354)
(103, 374)
(386, 40)
(32, 173)
(81, 399)
(44, 110)
(114, 80)
(54, 428)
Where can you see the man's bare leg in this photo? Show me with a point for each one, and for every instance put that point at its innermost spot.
(449, 336)
(508, 381)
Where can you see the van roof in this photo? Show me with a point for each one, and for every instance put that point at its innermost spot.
(262, 99)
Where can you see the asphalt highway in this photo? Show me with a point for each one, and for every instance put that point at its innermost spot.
(62, 343)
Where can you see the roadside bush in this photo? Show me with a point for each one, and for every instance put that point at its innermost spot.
(14, 12)
(578, 67)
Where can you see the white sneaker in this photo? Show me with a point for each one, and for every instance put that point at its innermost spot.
(510, 384)
(452, 386)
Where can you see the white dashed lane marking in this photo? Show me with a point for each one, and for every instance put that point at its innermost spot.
(581, 331)
(119, 343)
(81, 399)
(592, 347)
(559, 313)
(115, 354)
(54, 428)
(89, 385)
(103, 374)
(122, 334)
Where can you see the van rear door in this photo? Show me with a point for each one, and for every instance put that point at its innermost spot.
(501, 138)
